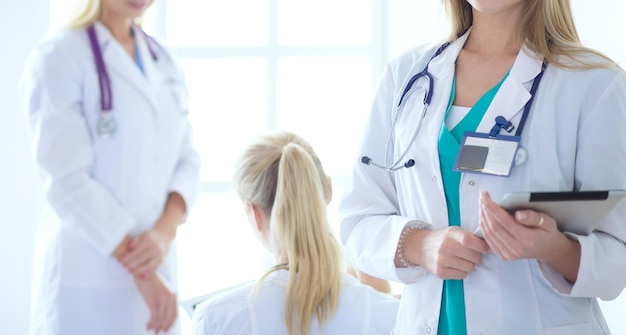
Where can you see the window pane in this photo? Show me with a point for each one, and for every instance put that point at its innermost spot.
(213, 23)
(228, 106)
(217, 247)
(326, 100)
(324, 22)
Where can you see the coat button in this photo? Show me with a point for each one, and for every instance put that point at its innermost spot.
(434, 178)
(472, 183)
(428, 330)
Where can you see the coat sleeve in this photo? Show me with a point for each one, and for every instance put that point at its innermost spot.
(52, 86)
(185, 178)
(600, 164)
(370, 220)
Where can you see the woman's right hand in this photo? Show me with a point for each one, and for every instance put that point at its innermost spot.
(449, 253)
(161, 301)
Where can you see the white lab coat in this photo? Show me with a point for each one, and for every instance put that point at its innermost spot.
(575, 140)
(236, 311)
(101, 190)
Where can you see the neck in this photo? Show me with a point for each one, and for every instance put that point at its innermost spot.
(281, 260)
(118, 26)
(495, 34)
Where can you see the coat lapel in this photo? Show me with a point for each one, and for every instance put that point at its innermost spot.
(118, 61)
(442, 69)
(152, 74)
(514, 92)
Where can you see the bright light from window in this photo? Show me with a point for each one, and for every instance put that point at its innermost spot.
(324, 22)
(217, 23)
(325, 100)
(228, 106)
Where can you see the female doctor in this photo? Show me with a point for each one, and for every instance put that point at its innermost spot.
(108, 111)
(409, 211)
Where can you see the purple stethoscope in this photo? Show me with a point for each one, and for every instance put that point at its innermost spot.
(106, 123)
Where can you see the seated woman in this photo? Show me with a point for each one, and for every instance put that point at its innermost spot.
(284, 189)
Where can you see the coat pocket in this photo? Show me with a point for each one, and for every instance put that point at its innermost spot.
(576, 329)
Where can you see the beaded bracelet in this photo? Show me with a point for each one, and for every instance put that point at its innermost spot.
(405, 233)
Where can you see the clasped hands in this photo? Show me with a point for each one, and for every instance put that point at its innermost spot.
(142, 256)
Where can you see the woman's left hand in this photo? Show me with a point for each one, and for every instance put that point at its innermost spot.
(527, 234)
(146, 253)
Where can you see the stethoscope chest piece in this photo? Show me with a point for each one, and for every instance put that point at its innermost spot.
(106, 125)
(520, 156)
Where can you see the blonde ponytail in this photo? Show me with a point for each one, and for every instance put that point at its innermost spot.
(282, 175)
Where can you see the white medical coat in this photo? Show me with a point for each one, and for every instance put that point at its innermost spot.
(100, 190)
(236, 311)
(575, 140)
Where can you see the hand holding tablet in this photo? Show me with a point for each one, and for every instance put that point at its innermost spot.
(576, 212)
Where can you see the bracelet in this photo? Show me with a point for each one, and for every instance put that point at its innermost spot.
(405, 233)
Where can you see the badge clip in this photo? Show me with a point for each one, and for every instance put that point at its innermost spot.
(501, 123)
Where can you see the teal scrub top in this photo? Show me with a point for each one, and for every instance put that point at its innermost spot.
(452, 314)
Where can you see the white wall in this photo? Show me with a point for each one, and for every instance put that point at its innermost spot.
(20, 199)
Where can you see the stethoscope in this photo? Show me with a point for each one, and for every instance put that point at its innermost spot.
(107, 126)
(500, 122)
(400, 108)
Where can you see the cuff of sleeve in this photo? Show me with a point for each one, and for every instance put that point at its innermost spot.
(188, 191)
(558, 283)
(108, 240)
(409, 275)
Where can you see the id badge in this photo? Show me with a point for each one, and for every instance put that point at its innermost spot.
(480, 153)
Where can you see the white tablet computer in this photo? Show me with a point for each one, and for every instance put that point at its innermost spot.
(576, 212)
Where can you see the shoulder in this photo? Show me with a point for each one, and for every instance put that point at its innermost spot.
(600, 68)
(165, 56)
(63, 41)
(230, 299)
(64, 47)
(410, 61)
(592, 83)
(223, 306)
(418, 55)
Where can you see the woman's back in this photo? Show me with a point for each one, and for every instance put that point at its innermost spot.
(244, 310)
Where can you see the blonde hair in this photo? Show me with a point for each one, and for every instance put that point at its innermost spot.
(548, 28)
(283, 176)
(87, 13)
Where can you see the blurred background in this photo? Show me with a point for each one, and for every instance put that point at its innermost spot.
(251, 66)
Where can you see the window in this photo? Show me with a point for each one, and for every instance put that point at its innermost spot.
(253, 66)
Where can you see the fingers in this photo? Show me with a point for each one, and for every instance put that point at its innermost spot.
(163, 313)
(163, 310)
(144, 259)
(173, 312)
(153, 322)
(456, 255)
(474, 243)
(497, 245)
(534, 219)
(147, 268)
